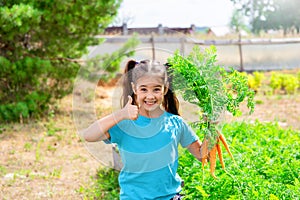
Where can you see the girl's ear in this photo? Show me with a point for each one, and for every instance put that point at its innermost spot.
(133, 88)
(166, 88)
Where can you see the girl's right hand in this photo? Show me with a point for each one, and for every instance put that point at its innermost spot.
(130, 111)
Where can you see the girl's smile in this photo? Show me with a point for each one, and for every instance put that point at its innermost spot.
(149, 95)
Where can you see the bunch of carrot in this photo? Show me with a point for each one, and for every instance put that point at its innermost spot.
(210, 154)
(214, 90)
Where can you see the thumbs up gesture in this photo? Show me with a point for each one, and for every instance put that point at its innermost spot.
(130, 111)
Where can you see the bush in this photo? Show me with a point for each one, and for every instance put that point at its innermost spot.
(29, 86)
(41, 42)
(276, 81)
(289, 83)
(255, 80)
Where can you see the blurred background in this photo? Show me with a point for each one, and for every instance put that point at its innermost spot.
(60, 68)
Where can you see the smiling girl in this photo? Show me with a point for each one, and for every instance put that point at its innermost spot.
(148, 131)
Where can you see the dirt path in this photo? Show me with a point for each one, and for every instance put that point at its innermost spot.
(44, 160)
(47, 159)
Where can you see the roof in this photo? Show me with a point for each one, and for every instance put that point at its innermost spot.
(220, 30)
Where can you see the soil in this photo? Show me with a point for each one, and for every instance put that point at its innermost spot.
(46, 159)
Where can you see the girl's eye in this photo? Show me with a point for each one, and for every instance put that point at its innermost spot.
(143, 89)
(157, 89)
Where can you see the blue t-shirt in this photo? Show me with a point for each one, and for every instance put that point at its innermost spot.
(149, 152)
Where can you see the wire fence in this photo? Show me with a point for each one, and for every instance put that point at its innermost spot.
(255, 54)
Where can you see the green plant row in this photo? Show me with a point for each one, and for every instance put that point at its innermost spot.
(267, 161)
(287, 83)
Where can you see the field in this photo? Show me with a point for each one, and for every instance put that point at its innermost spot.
(46, 159)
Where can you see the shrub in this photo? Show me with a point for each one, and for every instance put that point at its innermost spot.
(290, 83)
(276, 81)
(255, 80)
(287, 82)
(41, 42)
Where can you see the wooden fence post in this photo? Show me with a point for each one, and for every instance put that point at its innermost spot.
(182, 46)
(241, 53)
(124, 29)
(153, 46)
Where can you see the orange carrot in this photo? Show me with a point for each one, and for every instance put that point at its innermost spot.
(223, 140)
(204, 152)
(212, 160)
(209, 155)
(219, 150)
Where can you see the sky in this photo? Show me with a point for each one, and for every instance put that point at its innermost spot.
(175, 13)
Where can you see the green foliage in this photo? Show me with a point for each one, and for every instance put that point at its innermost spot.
(290, 83)
(105, 187)
(29, 85)
(276, 81)
(255, 80)
(210, 87)
(40, 44)
(237, 21)
(287, 82)
(55, 28)
(288, 23)
(267, 14)
(267, 165)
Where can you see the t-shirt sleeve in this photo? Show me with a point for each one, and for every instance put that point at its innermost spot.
(114, 133)
(188, 136)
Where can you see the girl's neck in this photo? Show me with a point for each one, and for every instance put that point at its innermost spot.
(151, 114)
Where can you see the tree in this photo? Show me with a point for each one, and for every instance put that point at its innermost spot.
(290, 10)
(237, 21)
(41, 43)
(271, 14)
(256, 11)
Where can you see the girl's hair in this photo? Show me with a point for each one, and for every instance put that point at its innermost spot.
(135, 70)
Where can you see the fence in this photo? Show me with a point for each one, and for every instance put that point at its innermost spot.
(256, 54)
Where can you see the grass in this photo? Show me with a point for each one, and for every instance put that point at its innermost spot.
(105, 185)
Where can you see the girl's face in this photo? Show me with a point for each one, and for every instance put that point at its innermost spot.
(149, 91)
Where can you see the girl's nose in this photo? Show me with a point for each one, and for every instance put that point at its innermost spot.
(150, 95)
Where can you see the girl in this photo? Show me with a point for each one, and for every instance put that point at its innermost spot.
(147, 130)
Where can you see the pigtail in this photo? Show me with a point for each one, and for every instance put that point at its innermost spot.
(127, 79)
(171, 103)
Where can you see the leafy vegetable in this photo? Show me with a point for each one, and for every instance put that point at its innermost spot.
(213, 89)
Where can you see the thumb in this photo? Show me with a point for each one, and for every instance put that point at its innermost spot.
(129, 100)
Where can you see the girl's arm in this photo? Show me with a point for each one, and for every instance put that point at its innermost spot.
(194, 149)
(99, 129)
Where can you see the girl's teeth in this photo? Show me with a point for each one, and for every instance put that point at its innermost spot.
(147, 102)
